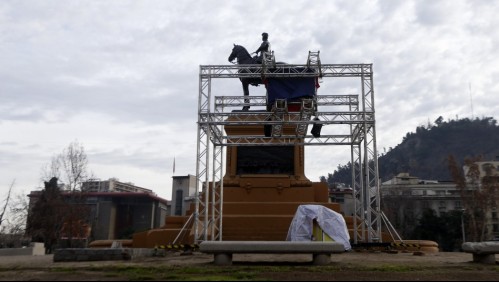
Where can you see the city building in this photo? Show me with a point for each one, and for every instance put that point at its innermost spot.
(115, 210)
(112, 185)
(183, 194)
(489, 183)
(343, 195)
(405, 197)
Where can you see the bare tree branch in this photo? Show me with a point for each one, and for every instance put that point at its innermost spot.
(70, 166)
(53, 169)
(18, 213)
(74, 162)
(6, 202)
(56, 213)
(478, 197)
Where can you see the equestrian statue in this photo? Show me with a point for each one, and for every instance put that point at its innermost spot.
(243, 57)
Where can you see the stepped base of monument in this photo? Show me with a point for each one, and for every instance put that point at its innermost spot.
(248, 221)
(254, 212)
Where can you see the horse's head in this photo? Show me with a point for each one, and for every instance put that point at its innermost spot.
(241, 54)
(234, 53)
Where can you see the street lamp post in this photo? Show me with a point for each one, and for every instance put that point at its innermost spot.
(462, 224)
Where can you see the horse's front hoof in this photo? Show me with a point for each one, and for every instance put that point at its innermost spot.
(245, 108)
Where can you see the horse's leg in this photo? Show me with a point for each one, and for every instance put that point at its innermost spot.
(246, 95)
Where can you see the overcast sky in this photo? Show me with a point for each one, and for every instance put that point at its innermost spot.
(122, 77)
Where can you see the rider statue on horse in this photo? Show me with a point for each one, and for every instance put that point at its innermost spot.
(243, 57)
(264, 47)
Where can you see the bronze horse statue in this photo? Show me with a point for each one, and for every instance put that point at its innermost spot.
(244, 58)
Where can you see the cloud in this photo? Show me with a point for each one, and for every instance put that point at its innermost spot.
(122, 77)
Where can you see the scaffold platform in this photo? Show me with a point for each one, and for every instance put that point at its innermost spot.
(346, 119)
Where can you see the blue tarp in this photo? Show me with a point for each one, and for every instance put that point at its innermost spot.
(290, 88)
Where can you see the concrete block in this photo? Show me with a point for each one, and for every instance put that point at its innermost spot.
(222, 259)
(483, 252)
(223, 250)
(486, 259)
(38, 249)
(271, 247)
(321, 259)
(35, 249)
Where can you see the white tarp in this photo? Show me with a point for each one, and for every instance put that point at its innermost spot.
(331, 222)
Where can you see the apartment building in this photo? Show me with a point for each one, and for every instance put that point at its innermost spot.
(405, 197)
(116, 209)
(183, 194)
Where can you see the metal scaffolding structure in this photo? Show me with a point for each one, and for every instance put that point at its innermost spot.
(351, 114)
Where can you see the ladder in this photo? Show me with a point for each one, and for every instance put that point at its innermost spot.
(306, 111)
(279, 109)
(314, 62)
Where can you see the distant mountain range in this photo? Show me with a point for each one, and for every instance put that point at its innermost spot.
(424, 153)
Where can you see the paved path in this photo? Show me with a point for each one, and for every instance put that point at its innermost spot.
(360, 258)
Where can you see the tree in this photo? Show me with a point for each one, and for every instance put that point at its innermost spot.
(74, 161)
(478, 195)
(70, 166)
(13, 219)
(343, 174)
(439, 121)
(429, 227)
(18, 214)
(400, 209)
(47, 215)
(57, 213)
(6, 204)
(76, 219)
(444, 229)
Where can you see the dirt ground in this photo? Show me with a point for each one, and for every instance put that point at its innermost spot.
(353, 266)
